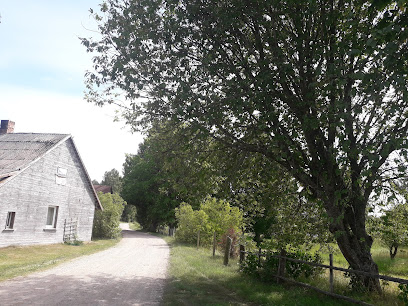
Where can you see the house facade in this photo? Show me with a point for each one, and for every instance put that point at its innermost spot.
(46, 195)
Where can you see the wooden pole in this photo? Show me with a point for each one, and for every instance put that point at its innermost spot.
(241, 253)
(198, 239)
(259, 256)
(227, 251)
(214, 243)
(331, 274)
(281, 266)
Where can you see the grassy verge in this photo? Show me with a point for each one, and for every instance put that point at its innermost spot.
(196, 278)
(22, 260)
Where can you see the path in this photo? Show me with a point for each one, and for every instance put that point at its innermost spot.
(131, 273)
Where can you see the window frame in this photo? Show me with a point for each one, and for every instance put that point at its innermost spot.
(61, 176)
(11, 216)
(54, 221)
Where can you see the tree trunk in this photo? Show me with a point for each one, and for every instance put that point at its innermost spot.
(393, 250)
(348, 228)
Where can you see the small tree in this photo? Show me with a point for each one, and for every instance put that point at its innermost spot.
(392, 228)
(190, 222)
(106, 221)
(214, 216)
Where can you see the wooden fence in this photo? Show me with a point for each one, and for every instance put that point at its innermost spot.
(281, 273)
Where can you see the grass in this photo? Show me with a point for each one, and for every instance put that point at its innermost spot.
(197, 278)
(397, 267)
(22, 260)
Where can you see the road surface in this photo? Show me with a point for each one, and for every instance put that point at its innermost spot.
(131, 273)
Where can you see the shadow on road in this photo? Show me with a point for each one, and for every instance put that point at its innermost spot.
(93, 290)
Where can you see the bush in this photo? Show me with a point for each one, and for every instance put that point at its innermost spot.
(190, 222)
(106, 221)
(214, 216)
(268, 266)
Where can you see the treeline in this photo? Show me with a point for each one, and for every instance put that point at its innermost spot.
(173, 167)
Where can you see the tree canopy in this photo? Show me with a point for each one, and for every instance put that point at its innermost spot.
(112, 178)
(319, 87)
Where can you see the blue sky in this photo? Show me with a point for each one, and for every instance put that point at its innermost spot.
(42, 66)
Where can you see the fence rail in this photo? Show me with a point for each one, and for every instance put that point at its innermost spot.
(281, 265)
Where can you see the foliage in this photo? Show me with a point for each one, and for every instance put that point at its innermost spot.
(196, 278)
(129, 213)
(319, 88)
(403, 295)
(391, 227)
(112, 178)
(190, 222)
(267, 267)
(74, 241)
(146, 186)
(251, 264)
(214, 216)
(106, 221)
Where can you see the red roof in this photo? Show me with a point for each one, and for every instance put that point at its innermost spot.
(103, 188)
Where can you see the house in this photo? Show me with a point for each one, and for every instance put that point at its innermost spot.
(103, 188)
(46, 195)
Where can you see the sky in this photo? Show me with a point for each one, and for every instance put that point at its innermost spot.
(42, 67)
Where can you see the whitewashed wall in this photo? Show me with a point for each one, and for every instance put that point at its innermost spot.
(31, 192)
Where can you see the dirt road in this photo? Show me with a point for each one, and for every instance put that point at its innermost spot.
(131, 273)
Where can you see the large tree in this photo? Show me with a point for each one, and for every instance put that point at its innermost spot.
(319, 87)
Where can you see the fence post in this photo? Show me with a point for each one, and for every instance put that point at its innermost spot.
(198, 239)
(241, 253)
(281, 266)
(214, 243)
(259, 256)
(227, 251)
(331, 273)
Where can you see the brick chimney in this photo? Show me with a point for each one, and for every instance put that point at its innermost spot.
(7, 127)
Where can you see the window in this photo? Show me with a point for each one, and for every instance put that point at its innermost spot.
(10, 220)
(62, 172)
(61, 176)
(52, 216)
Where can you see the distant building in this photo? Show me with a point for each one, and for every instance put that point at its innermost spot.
(46, 195)
(103, 188)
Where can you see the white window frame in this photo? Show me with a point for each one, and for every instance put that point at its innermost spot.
(62, 172)
(11, 216)
(51, 221)
(61, 176)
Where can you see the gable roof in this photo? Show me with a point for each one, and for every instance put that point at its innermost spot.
(103, 188)
(19, 150)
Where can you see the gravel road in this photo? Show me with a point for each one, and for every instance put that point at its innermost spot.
(131, 273)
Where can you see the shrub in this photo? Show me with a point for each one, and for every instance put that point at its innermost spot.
(106, 221)
(190, 222)
(214, 216)
(403, 295)
(250, 265)
(268, 267)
